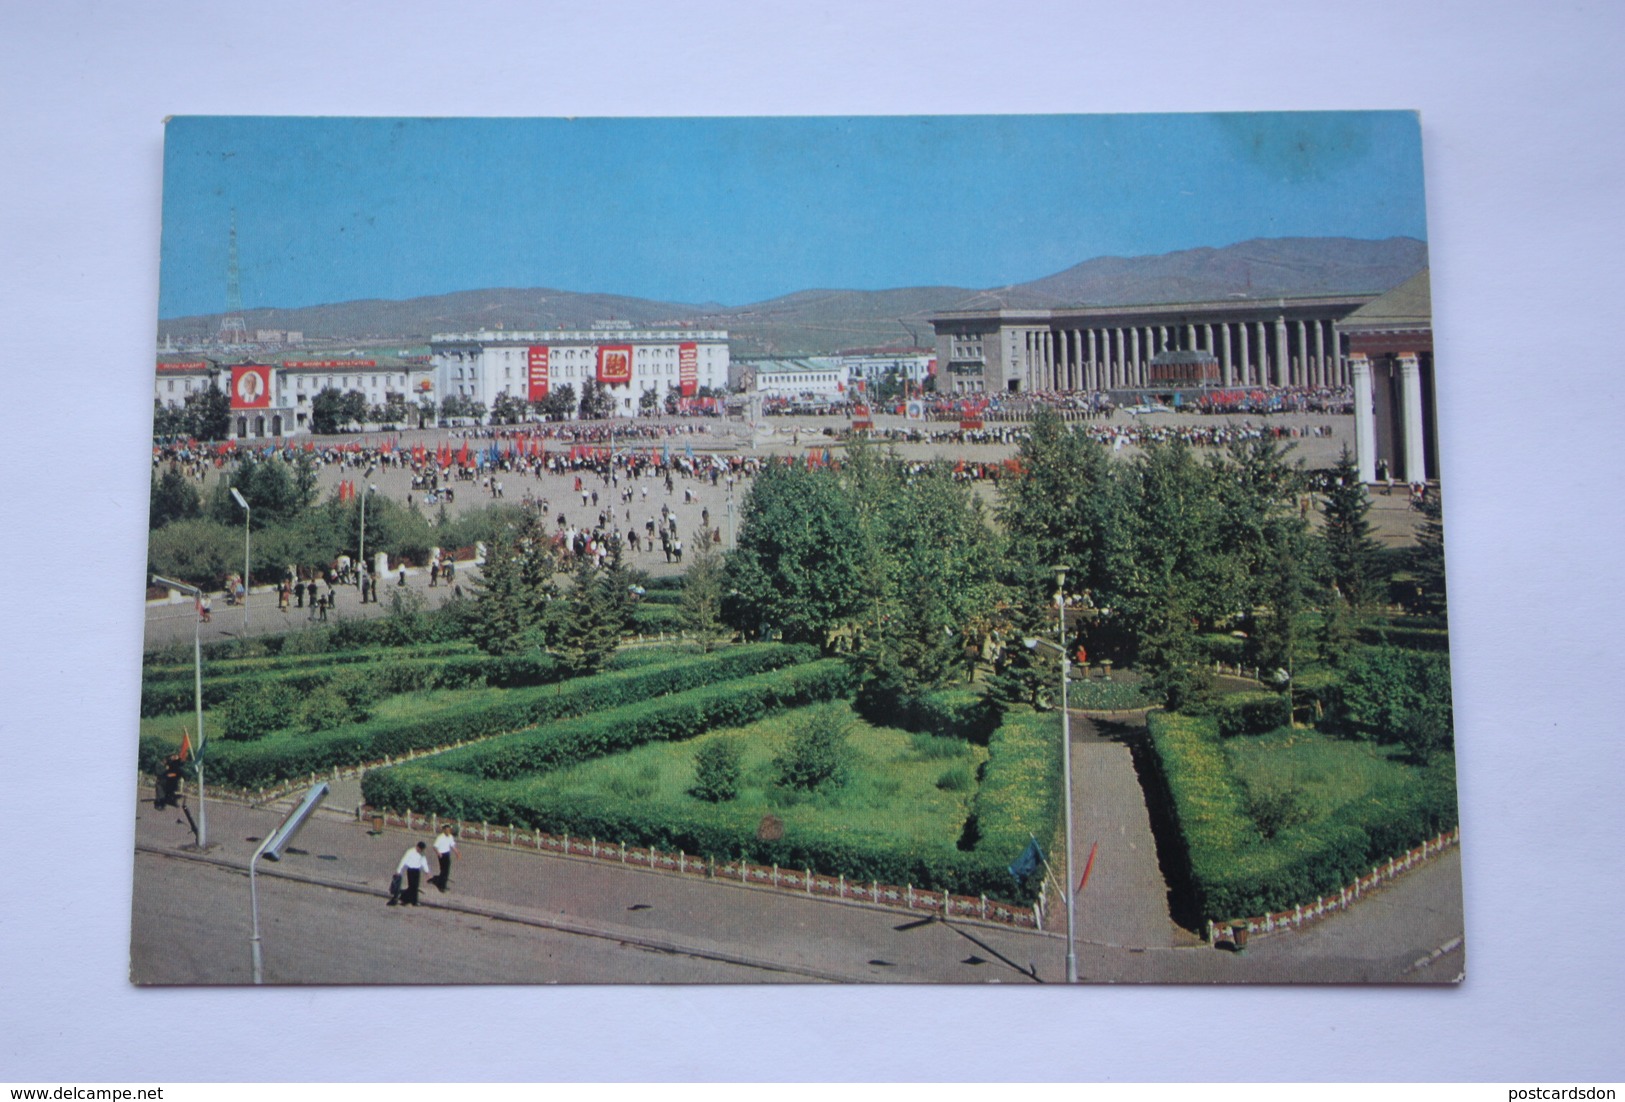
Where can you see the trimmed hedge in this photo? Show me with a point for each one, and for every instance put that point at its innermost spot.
(492, 782)
(953, 713)
(732, 704)
(1020, 795)
(396, 672)
(1235, 873)
(1410, 638)
(251, 765)
(183, 671)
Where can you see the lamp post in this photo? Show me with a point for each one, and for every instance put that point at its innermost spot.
(1066, 766)
(246, 514)
(361, 548)
(197, 682)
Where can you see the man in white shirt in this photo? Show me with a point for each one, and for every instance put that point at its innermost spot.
(413, 865)
(445, 846)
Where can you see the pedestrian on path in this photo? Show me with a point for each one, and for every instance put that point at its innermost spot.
(445, 847)
(413, 865)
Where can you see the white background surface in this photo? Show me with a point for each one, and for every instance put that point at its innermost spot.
(1521, 112)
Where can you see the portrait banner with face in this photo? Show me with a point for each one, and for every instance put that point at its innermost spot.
(615, 364)
(250, 386)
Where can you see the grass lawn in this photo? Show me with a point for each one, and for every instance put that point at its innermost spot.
(1324, 772)
(915, 788)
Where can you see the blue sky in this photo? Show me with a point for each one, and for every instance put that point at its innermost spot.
(740, 210)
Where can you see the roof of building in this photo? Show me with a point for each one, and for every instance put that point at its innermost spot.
(1410, 305)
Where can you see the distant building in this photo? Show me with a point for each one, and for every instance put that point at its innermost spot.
(629, 360)
(1273, 342)
(271, 399)
(873, 366)
(804, 378)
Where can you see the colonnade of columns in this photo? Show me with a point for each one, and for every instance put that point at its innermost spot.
(1283, 352)
(1412, 463)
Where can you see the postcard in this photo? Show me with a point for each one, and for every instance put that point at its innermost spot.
(927, 550)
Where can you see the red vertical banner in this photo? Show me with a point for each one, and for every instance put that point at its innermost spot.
(688, 368)
(615, 364)
(538, 372)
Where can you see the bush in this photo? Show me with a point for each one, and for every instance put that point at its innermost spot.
(325, 708)
(257, 711)
(956, 779)
(716, 770)
(1394, 695)
(817, 755)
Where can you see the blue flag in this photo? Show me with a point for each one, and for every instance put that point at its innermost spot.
(1028, 862)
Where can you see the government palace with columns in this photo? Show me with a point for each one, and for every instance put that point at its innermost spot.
(1381, 345)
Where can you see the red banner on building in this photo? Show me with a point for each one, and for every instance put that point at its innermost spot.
(615, 364)
(250, 386)
(688, 368)
(329, 363)
(538, 372)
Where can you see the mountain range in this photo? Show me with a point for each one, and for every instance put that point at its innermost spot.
(817, 322)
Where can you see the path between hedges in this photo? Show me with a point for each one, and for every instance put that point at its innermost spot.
(1125, 903)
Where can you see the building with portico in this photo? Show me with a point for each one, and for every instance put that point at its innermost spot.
(1273, 342)
(1390, 358)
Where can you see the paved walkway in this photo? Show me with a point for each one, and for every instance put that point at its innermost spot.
(1125, 903)
(338, 871)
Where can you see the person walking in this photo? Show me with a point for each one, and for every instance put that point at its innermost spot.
(445, 847)
(412, 867)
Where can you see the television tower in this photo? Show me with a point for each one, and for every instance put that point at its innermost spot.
(233, 329)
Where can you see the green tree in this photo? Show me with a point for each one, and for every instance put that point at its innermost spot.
(1396, 695)
(597, 402)
(207, 414)
(590, 630)
(1350, 552)
(353, 407)
(426, 410)
(648, 402)
(934, 561)
(515, 591)
(704, 585)
(717, 770)
(801, 558)
(326, 411)
(173, 498)
(818, 754)
(394, 410)
(277, 490)
(508, 410)
(1057, 511)
(1427, 558)
(559, 403)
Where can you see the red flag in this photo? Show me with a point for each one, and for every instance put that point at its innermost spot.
(186, 745)
(1088, 866)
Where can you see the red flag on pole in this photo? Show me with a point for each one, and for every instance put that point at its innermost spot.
(186, 745)
(1088, 866)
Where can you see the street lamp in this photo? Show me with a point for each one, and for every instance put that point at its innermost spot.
(197, 665)
(246, 514)
(1066, 764)
(361, 549)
